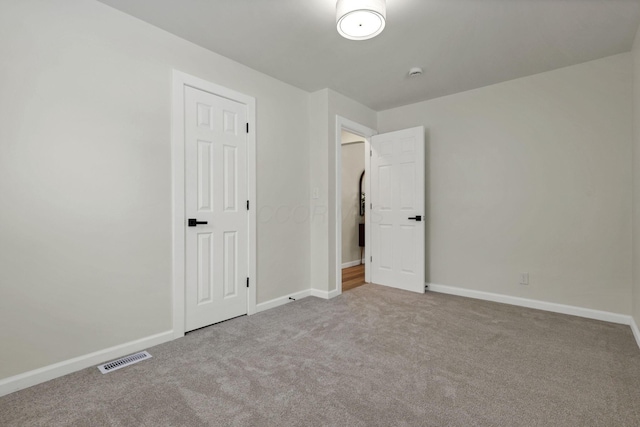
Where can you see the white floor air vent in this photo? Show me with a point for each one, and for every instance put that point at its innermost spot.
(125, 361)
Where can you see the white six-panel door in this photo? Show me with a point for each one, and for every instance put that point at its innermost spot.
(397, 213)
(216, 193)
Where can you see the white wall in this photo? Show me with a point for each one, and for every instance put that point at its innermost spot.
(319, 181)
(532, 175)
(636, 179)
(352, 168)
(85, 178)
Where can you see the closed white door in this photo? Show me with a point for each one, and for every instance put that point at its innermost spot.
(216, 208)
(397, 211)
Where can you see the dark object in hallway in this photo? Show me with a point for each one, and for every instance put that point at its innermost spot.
(361, 194)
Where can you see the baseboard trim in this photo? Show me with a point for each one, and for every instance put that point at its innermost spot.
(324, 294)
(47, 373)
(277, 302)
(636, 331)
(40, 375)
(352, 263)
(530, 303)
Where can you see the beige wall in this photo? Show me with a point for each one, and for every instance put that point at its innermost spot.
(352, 168)
(636, 178)
(532, 175)
(85, 178)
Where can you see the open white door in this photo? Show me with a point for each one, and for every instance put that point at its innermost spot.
(216, 267)
(397, 210)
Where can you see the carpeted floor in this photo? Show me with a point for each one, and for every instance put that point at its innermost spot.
(372, 357)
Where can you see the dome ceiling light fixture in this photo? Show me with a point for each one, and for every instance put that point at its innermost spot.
(360, 19)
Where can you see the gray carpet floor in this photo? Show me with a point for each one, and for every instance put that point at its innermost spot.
(372, 357)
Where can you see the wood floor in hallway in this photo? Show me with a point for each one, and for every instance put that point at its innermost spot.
(352, 277)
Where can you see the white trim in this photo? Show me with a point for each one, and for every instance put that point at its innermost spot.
(635, 330)
(277, 302)
(40, 375)
(531, 303)
(180, 80)
(252, 195)
(353, 263)
(365, 132)
(326, 295)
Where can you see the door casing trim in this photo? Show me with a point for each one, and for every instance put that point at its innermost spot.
(178, 223)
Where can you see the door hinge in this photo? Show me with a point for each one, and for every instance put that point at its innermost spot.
(247, 127)
(370, 153)
(371, 259)
(371, 205)
(247, 205)
(247, 282)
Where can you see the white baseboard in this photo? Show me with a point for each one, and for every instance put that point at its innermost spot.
(37, 376)
(635, 330)
(276, 302)
(298, 295)
(325, 294)
(40, 375)
(353, 263)
(530, 303)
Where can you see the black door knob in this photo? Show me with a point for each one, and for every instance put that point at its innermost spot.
(416, 218)
(194, 222)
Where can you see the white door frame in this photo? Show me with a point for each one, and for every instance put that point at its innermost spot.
(365, 132)
(180, 80)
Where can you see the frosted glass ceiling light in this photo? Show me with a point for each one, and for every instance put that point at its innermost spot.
(360, 19)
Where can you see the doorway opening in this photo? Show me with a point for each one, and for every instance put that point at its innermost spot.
(353, 210)
(352, 185)
(394, 207)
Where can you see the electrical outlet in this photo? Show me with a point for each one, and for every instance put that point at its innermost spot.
(524, 278)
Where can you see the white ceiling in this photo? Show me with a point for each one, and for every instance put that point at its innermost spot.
(461, 44)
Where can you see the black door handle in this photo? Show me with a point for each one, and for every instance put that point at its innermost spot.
(194, 222)
(417, 218)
